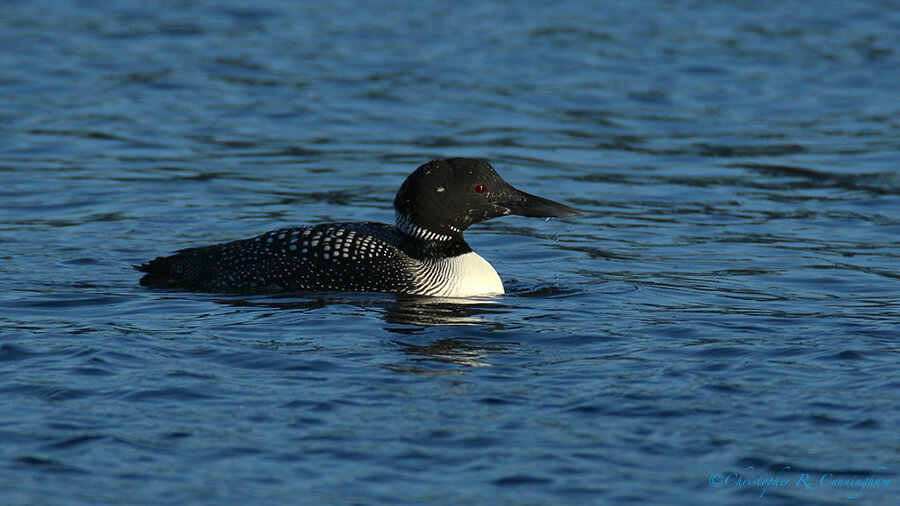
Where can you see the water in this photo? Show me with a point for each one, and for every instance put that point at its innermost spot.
(729, 300)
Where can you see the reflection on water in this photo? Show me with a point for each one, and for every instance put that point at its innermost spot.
(398, 309)
(460, 351)
(411, 316)
(434, 311)
(730, 298)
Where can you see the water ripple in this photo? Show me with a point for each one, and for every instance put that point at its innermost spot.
(728, 300)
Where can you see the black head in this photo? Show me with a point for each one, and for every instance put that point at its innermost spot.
(443, 197)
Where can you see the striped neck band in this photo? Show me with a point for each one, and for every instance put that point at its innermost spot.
(411, 229)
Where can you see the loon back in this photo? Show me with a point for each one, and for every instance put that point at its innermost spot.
(424, 254)
(351, 257)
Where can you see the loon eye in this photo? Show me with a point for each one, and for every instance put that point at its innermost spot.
(479, 188)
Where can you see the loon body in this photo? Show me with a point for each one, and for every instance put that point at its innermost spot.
(424, 253)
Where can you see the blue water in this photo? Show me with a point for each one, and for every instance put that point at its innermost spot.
(729, 304)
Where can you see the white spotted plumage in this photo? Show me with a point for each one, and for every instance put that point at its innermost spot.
(424, 253)
(339, 256)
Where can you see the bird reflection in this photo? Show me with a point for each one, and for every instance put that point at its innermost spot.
(415, 318)
(418, 313)
(433, 311)
(395, 309)
(456, 351)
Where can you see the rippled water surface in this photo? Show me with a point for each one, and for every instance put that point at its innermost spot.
(728, 305)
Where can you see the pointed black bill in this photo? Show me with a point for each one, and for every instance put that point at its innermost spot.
(526, 204)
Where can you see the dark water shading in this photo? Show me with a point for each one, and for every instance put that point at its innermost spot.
(728, 304)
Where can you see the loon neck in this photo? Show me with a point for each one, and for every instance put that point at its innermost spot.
(423, 243)
(416, 232)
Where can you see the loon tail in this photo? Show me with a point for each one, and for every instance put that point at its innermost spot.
(161, 270)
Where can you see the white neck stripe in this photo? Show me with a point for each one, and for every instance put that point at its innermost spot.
(411, 229)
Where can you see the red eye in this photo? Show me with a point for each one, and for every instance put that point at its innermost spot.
(479, 188)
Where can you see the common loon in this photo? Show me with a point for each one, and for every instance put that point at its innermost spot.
(423, 254)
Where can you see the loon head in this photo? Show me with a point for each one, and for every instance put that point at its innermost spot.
(443, 197)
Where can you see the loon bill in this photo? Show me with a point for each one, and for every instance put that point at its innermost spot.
(424, 253)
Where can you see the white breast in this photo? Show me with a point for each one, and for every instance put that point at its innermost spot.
(466, 275)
